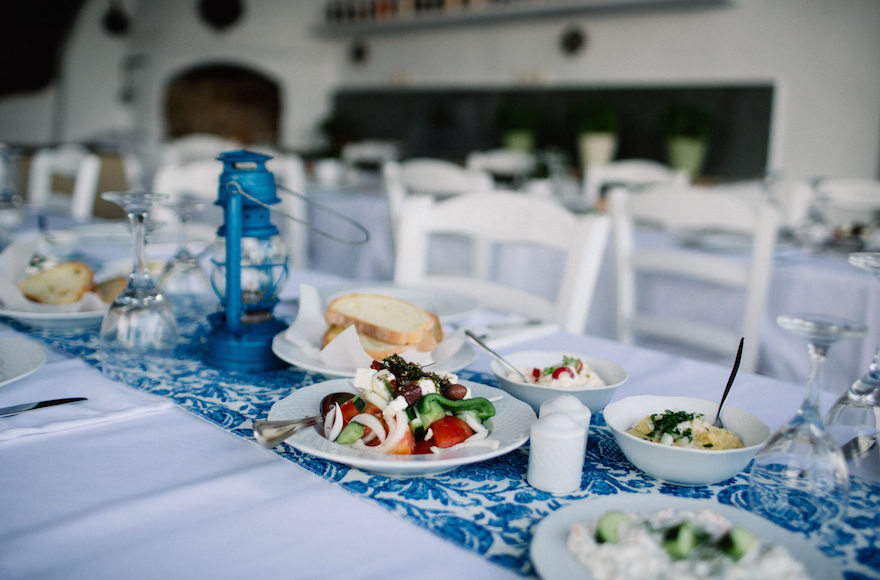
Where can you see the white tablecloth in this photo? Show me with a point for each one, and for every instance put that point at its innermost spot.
(130, 485)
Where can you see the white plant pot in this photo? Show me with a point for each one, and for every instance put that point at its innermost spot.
(597, 148)
(687, 153)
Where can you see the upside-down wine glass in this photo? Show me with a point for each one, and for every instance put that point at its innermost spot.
(183, 280)
(139, 328)
(799, 478)
(854, 419)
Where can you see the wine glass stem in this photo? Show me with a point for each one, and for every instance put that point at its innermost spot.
(138, 228)
(818, 353)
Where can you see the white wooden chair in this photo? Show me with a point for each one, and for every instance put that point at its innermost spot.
(693, 209)
(507, 218)
(70, 161)
(628, 173)
(429, 176)
(506, 166)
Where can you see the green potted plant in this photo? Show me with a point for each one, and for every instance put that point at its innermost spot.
(687, 128)
(518, 124)
(597, 122)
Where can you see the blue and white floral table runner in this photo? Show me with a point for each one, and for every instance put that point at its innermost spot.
(485, 507)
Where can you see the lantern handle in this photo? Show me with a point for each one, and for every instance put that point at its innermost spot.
(351, 221)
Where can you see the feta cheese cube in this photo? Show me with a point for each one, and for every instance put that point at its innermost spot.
(363, 379)
(398, 404)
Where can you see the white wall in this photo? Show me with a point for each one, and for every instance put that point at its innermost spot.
(822, 55)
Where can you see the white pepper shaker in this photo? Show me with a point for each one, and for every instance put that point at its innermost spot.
(558, 446)
(571, 406)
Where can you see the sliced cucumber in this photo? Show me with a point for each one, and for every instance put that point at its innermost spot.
(350, 433)
(608, 528)
(737, 542)
(680, 540)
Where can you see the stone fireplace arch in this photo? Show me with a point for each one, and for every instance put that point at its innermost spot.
(230, 100)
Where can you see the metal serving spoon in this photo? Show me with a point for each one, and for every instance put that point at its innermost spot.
(739, 354)
(497, 356)
(271, 433)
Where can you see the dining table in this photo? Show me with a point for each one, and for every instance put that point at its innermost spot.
(161, 477)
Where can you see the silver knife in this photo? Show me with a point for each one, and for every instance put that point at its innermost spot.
(16, 409)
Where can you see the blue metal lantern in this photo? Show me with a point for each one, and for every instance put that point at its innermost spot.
(249, 267)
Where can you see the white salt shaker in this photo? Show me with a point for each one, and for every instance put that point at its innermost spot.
(571, 406)
(558, 446)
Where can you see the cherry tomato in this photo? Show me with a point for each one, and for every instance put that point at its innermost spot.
(561, 370)
(449, 431)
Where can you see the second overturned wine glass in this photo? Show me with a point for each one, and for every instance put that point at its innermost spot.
(799, 478)
(139, 327)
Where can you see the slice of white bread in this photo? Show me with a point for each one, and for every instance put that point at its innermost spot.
(62, 284)
(379, 349)
(384, 318)
(108, 289)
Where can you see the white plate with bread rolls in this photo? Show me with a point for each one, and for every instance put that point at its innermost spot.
(291, 353)
(446, 305)
(58, 320)
(383, 325)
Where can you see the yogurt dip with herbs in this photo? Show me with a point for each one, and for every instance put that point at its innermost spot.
(675, 544)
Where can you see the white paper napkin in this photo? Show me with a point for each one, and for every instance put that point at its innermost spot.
(345, 351)
(14, 261)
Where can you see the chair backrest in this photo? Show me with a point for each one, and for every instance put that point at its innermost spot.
(369, 153)
(505, 165)
(842, 200)
(429, 176)
(693, 209)
(71, 161)
(506, 218)
(628, 173)
(195, 147)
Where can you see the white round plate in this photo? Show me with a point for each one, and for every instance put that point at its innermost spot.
(293, 354)
(57, 320)
(510, 427)
(18, 358)
(446, 305)
(553, 560)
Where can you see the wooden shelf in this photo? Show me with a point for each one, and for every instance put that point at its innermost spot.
(347, 18)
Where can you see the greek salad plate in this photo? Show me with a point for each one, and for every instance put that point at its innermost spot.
(18, 358)
(509, 430)
(293, 354)
(446, 305)
(553, 560)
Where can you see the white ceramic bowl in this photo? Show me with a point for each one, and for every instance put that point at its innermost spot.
(681, 465)
(593, 398)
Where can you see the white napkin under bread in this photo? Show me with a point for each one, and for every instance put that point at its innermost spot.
(345, 351)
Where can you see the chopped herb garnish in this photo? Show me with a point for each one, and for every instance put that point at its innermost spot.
(407, 372)
(668, 422)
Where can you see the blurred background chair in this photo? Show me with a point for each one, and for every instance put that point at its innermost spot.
(695, 210)
(369, 155)
(843, 201)
(429, 176)
(628, 173)
(508, 167)
(505, 218)
(69, 164)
